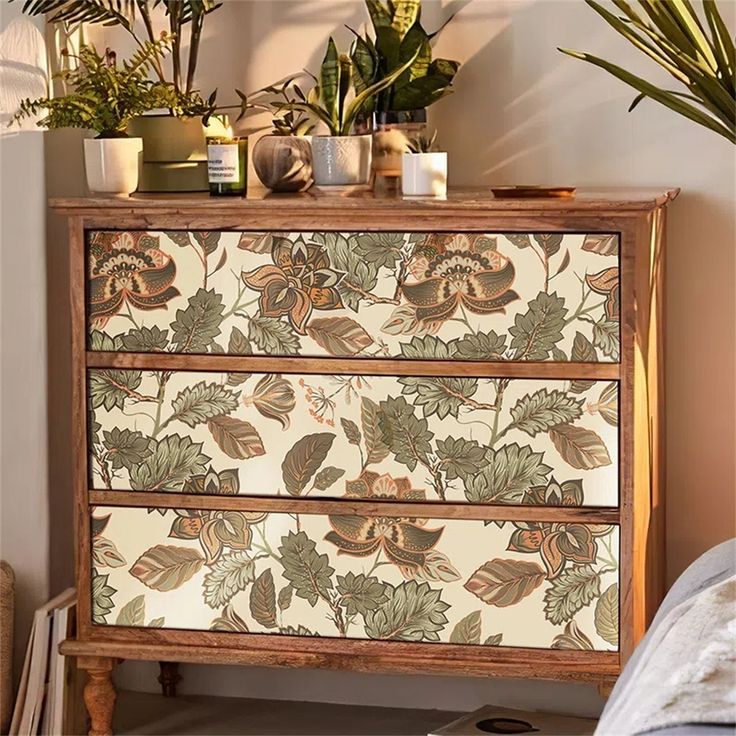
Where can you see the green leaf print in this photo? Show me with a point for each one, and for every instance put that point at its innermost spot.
(172, 460)
(263, 600)
(196, 327)
(360, 594)
(460, 458)
(606, 337)
(480, 346)
(407, 437)
(441, 396)
(196, 404)
(510, 472)
(539, 329)
(606, 615)
(273, 336)
(146, 340)
(111, 388)
(125, 447)
(102, 595)
(308, 571)
(573, 589)
(467, 629)
(413, 612)
(133, 613)
(304, 459)
(230, 574)
(538, 412)
(327, 476)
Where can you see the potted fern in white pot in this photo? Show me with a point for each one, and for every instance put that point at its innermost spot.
(105, 96)
(424, 168)
(341, 157)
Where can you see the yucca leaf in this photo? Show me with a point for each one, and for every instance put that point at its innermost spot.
(329, 82)
(415, 42)
(360, 99)
(379, 15)
(663, 97)
(346, 74)
(405, 15)
(723, 44)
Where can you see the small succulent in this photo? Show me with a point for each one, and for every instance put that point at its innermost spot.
(422, 143)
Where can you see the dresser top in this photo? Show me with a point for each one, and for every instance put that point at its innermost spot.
(458, 200)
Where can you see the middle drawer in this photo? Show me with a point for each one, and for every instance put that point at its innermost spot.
(407, 438)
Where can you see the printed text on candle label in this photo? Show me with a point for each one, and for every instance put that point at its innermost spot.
(223, 163)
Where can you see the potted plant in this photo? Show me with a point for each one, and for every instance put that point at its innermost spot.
(282, 158)
(104, 97)
(399, 110)
(341, 158)
(699, 54)
(174, 151)
(424, 168)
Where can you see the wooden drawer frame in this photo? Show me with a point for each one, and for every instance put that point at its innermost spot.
(640, 225)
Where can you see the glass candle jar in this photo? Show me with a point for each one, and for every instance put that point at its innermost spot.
(226, 165)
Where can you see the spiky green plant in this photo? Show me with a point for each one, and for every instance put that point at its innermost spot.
(698, 54)
(182, 15)
(105, 95)
(329, 100)
(272, 99)
(422, 143)
(399, 35)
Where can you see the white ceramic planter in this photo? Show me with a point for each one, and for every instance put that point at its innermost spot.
(341, 160)
(112, 164)
(424, 174)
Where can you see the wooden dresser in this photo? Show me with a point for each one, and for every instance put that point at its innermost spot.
(367, 434)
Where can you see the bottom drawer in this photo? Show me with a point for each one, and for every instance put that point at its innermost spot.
(519, 584)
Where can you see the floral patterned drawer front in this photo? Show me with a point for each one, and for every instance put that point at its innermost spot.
(477, 440)
(485, 296)
(433, 580)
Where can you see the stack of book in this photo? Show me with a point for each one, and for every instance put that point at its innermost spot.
(47, 696)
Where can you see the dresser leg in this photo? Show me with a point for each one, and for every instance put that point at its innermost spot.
(99, 693)
(169, 678)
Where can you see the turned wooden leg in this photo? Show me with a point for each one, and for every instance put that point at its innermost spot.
(99, 693)
(169, 678)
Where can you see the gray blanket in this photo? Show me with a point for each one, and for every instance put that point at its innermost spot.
(715, 566)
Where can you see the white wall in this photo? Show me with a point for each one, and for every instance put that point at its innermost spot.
(523, 113)
(24, 513)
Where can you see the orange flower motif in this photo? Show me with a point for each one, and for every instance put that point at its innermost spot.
(301, 280)
(403, 540)
(558, 543)
(128, 267)
(606, 283)
(465, 270)
(216, 530)
(274, 398)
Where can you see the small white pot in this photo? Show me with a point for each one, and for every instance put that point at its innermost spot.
(339, 160)
(112, 164)
(424, 174)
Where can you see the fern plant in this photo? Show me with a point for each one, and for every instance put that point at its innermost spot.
(181, 15)
(106, 96)
(699, 54)
(330, 101)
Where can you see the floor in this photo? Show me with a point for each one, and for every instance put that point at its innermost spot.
(145, 713)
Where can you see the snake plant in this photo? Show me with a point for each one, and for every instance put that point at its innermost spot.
(329, 101)
(399, 35)
(698, 53)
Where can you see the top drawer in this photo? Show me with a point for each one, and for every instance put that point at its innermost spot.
(485, 296)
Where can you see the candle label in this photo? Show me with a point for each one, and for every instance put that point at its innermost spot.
(223, 163)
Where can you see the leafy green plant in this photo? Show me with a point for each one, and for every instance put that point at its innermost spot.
(399, 35)
(329, 100)
(106, 96)
(182, 15)
(701, 56)
(422, 143)
(273, 97)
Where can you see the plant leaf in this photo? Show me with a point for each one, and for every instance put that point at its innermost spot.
(196, 327)
(272, 336)
(304, 459)
(196, 404)
(171, 461)
(467, 630)
(359, 593)
(582, 448)
(538, 412)
(339, 336)
(263, 600)
(133, 613)
(573, 589)
(227, 576)
(606, 615)
(604, 245)
(505, 582)
(165, 568)
(375, 448)
(237, 438)
(308, 571)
